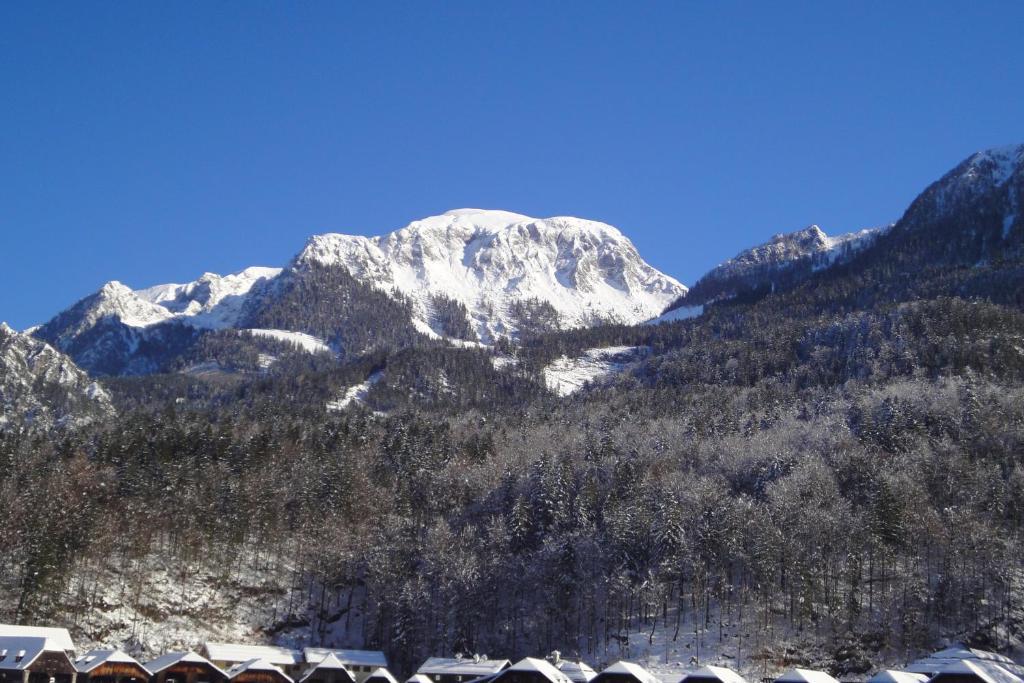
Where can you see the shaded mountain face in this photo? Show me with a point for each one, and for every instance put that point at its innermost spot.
(785, 259)
(41, 387)
(471, 275)
(969, 217)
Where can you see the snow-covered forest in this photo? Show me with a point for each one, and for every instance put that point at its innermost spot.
(825, 469)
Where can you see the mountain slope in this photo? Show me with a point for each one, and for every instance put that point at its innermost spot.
(41, 387)
(502, 267)
(786, 258)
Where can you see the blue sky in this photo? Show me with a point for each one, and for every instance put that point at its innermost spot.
(150, 142)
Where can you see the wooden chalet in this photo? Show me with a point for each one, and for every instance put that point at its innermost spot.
(380, 675)
(578, 671)
(359, 663)
(110, 666)
(230, 655)
(258, 671)
(185, 667)
(461, 670)
(625, 672)
(328, 669)
(34, 659)
(713, 674)
(530, 670)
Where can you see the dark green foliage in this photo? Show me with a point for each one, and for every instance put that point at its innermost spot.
(534, 317)
(450, 318)
(327, 302)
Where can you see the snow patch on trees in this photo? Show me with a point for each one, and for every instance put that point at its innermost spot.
(566, 376)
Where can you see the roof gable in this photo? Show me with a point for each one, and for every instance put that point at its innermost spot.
(257, 665)
(622, 668)
(95, 658)
(171, 658)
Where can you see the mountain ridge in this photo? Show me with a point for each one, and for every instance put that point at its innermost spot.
(468, 274)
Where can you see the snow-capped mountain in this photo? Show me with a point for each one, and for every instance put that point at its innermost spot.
(494, 262)
(788, 256)
(41, 387)
(469, 274)
(213, 301)
(987, 186)
(118, 330)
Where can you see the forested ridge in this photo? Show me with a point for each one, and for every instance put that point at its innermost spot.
(828, 473)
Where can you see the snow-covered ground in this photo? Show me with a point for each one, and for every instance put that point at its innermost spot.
(305, 342)
(355, 394)
(565, 376)
(681, 313)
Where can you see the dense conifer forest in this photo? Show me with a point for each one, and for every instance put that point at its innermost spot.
(829, 471)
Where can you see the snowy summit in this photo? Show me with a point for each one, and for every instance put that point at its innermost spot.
(490, 261)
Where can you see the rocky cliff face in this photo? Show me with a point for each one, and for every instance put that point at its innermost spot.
(41, 387)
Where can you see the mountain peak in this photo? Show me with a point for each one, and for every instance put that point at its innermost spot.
(495, 262)
(114, 288)
(509, 216)
(978, 176)
(997, 163)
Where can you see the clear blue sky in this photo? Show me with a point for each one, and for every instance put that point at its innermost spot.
(151, 141)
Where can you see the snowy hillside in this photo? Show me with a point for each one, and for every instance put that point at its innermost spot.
(42, 387)
(494, 261)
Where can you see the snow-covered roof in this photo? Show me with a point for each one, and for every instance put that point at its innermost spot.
(94, 658)
(379, 674)
(233, 652)
(18, 653)
(805, 676)
(894, 676)
(171, 658)
(986, 670)
(465, 667)
(58, 636)
(534, 665)
(934, 663)
(314, 655)
(720, 673)
(621, 668)
(257, 665)
(327, 663)
(577, 671)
